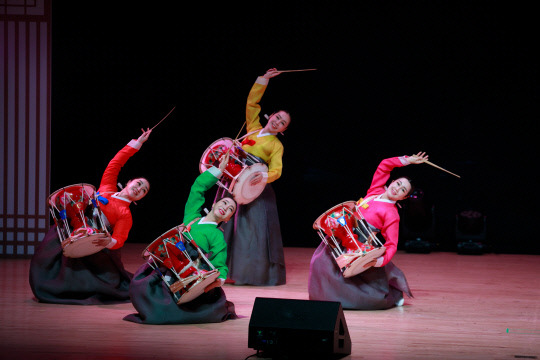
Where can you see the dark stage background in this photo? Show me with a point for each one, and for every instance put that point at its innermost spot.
(457, 79)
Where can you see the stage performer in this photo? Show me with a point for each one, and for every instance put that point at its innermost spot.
(382, 284)
(150, 295)
(255, 247)
(99, 278)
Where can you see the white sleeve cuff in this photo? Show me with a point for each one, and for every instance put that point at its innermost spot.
(404, 160)
(215, 171)
(379, 262)
(111, 244)
(262, 80)
(135, 144)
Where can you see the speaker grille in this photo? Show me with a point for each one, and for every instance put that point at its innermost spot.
(298, 326)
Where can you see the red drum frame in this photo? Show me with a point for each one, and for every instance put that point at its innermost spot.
(339, 228)
(78, 219)
(238, 173)
(169, 250)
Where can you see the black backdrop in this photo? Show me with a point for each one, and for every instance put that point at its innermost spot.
(457, 79)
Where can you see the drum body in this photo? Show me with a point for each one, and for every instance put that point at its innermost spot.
(192, 271)
(239, 172)
(351, 242)
(78, 219)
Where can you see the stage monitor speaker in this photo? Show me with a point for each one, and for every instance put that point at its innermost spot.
(302, 327)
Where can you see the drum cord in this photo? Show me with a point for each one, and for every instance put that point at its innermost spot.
(200, 252)
(163, 278)
(365, 229)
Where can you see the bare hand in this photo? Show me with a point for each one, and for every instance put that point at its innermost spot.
(370, 264)
(216, 283)
(271, 73)
(418, 158)
(102, 241)
(257, 178)
(145, 135)
(223, 161)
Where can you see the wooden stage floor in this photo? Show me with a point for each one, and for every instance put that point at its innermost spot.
(465, 307)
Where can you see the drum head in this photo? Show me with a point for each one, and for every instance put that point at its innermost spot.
(213, 152)
(242, 189)
(357, 266)
(349, 205)
(198, 288)
(82, 246)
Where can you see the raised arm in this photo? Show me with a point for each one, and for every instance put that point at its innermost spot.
(253, 109)
(110, 175)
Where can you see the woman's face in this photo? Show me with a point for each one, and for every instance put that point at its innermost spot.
(224, 209)
(136, 189)
(278, 122)
(398, 189)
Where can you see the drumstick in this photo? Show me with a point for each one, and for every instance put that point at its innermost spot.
(237, 135)
(282, 71)
(164, 118)
(438, 167)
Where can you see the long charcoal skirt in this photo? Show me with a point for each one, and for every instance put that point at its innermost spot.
(91, 280)
(254, 246)
(155, 303)
(374, 289)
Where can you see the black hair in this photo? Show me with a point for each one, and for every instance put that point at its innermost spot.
(285, 111)
(138, 177)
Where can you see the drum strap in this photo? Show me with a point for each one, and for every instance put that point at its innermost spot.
(188, 227)
(192, 221)
(253, 132)
(252, 159)
(249, 133)
(363, 202)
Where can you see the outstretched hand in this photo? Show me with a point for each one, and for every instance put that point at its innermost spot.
(418, 158)
(102, 241)
(370, 263)
(223, 161)
(145, 135)
(271, 73)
